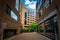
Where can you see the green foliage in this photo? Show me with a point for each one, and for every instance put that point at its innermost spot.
(41, 29)
(25, 30)
(32, 26)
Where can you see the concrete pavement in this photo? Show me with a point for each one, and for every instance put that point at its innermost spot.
(29, 36)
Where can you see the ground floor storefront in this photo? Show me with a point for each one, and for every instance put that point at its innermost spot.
(50, 25)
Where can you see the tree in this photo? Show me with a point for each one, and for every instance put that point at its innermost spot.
(32, 26)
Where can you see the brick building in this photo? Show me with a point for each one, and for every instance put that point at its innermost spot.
(30, 17)
(9, 18)
(48, 17)
(25, 15)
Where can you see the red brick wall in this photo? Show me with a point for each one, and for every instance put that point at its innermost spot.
(5, 18)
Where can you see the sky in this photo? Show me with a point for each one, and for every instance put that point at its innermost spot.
(30, 4)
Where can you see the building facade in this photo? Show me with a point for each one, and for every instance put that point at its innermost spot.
(26, 16)
(9, 18)
(30, 18)
(48, 18)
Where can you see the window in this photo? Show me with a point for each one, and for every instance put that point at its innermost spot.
(17, 4)
(40, 3)
(13, 15)
(26, 26)
(39, 14)
(52, 1)
(8, 10)
(47, 3)
(30, 13)
(48, 26)
(25, 16)
(25, 22)
(30, 22)
(28, 19)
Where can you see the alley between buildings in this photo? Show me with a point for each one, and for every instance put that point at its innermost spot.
(28, 36)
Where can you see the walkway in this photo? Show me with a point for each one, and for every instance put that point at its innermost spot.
(29, 36)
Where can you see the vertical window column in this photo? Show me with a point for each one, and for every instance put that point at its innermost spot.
(25, 17)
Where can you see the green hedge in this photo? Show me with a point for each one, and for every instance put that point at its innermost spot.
(25, 30)
(28, 30)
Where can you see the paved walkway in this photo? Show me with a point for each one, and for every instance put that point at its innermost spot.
(29, 36)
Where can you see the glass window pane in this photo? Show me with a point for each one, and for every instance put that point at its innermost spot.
(14, 16)
(30, 13)
(17, 4)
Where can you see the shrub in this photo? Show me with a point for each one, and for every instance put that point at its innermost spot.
(41, 29)
(32, 27)
(25, 30)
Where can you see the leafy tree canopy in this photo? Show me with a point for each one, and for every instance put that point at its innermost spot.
(32, 26)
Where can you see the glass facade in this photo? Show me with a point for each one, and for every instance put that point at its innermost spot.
(55, 28)
(51, 27)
